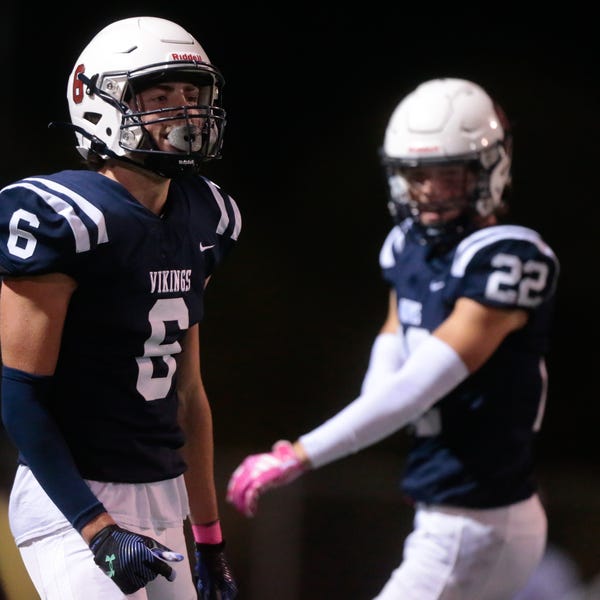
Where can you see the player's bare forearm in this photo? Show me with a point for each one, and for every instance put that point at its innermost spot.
(195, 418)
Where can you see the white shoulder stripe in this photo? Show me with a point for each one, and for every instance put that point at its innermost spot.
(488, 235)
(393, 241)
(224, 220)
(87, 207)
(238, 219)
(80, 231)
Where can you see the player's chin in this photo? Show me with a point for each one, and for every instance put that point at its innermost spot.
(430, 219)
(434, 219)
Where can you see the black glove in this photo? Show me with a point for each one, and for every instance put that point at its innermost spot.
(214, 579)
(131, 560)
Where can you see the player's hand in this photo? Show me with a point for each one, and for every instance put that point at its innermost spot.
(131, 560)
(259, 472)
(213, 577)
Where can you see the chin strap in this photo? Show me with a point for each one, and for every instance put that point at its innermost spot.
(99, 147)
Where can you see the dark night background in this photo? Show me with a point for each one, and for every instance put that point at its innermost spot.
(291, 315)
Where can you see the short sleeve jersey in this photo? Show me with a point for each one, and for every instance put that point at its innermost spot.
(140, 283)
(474, 447)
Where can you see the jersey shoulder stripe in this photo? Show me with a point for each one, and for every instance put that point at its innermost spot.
(62, 200)
(224, 221)
(86, 206)
(472, 244)
(394, 242)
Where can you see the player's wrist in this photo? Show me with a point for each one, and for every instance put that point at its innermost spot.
(95, 526)
(207, 533)
(303, 458)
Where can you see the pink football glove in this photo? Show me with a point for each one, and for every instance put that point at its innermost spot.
(259, 472)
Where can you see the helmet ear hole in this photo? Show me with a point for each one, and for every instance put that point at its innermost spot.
(92, 117)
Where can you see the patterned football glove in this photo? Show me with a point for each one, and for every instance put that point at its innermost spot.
(214, 579)
(259, 472)
(131, 560)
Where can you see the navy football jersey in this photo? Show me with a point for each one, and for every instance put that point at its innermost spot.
(140, 283)
(473, 448)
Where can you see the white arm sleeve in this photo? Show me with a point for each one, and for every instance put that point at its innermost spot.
(387, 356)
(431, 371)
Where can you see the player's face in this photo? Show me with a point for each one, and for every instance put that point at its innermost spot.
(440, 192)
(171, 98)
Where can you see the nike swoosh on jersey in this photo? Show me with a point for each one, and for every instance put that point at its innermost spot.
(436, 286)
(204, 248)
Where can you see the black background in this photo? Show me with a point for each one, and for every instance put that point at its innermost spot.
(291, 315)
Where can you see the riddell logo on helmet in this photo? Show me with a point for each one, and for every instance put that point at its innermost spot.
(423, 149)
(177, 56)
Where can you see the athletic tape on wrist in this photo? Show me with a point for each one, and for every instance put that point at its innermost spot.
(208, 534)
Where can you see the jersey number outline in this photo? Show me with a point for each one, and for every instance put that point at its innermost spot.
(529, 277)
(165, 310)
(16, 233)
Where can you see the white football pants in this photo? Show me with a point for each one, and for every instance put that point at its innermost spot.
(467, 554)
(62, 567)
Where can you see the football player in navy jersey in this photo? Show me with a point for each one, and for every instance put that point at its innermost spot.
(104, 271)
(459, 359)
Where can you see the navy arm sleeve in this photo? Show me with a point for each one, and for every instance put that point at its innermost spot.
(42, 446)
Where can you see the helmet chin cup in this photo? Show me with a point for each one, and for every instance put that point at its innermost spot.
(167, 165)
(448, 233)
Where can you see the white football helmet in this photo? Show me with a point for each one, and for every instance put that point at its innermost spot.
(126, 57)
(448, 121)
